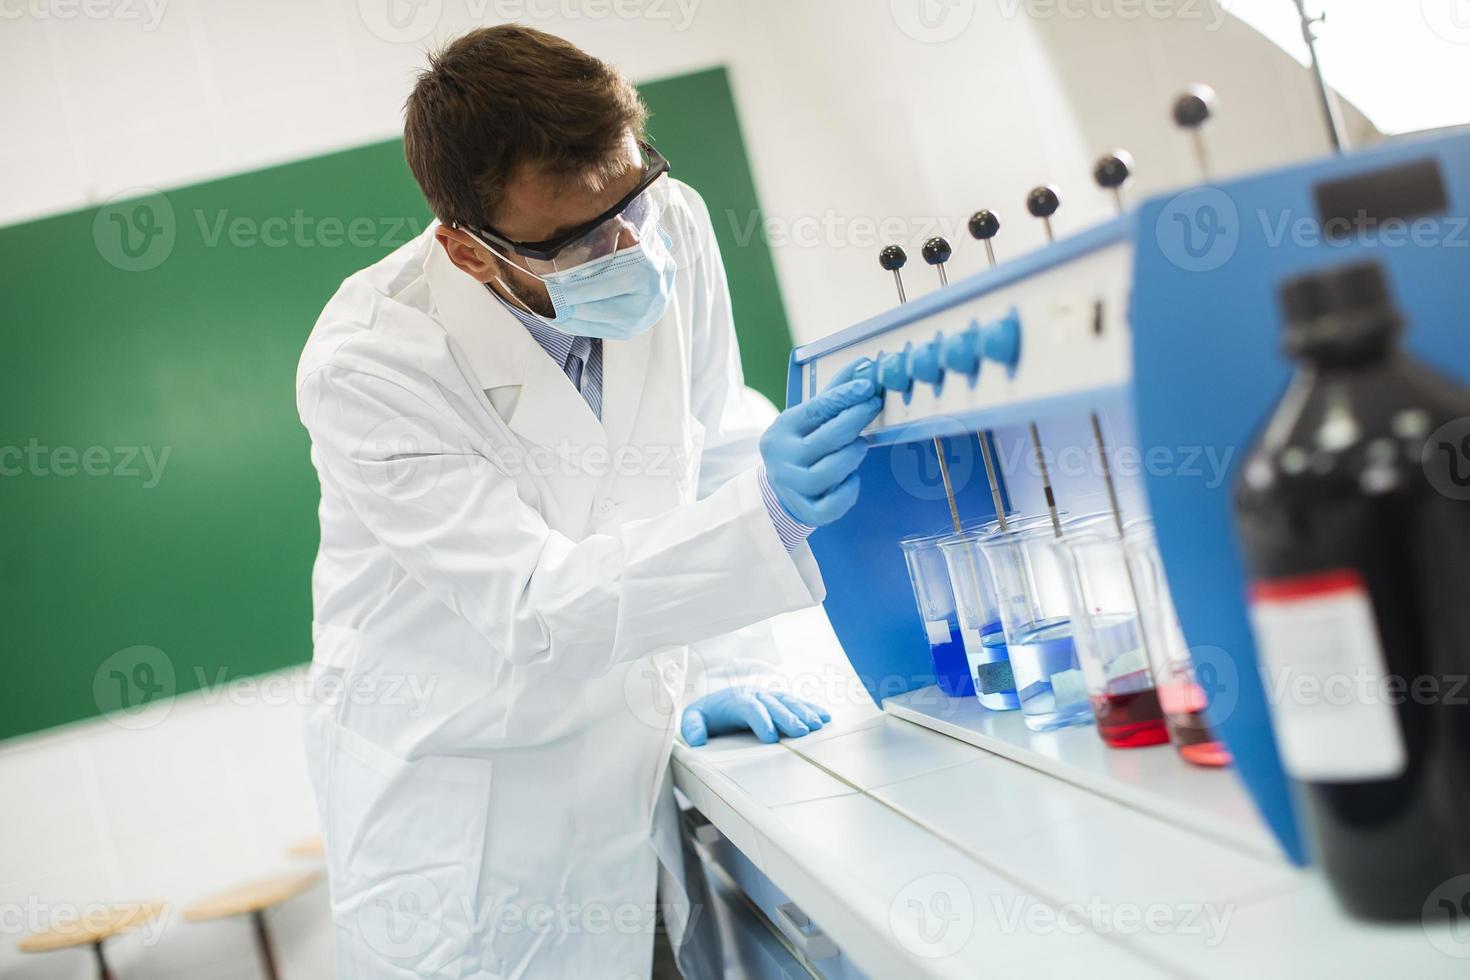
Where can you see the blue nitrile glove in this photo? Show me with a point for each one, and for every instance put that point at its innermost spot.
(812, 450)
(739, 709)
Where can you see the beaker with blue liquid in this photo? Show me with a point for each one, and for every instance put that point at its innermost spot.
(935, 599)
(1032, 590)
(979, 616)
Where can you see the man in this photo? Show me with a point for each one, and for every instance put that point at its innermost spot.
(550, 508)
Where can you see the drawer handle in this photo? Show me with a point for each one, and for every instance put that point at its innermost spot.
(808, 938)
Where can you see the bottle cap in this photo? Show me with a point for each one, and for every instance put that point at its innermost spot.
(1339, 313)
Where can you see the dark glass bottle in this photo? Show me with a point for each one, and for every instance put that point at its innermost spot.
(1353, 508)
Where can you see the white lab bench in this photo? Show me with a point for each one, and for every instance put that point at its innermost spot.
(919, 854)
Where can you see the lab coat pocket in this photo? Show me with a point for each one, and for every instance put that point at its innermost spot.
(406, 839)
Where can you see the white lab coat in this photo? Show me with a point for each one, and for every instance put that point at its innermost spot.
(506, 597)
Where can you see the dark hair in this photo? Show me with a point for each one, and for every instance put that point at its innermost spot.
(502, 98)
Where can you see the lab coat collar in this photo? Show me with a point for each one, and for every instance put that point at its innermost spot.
(497, 347)
(501, 352)
(624, 373)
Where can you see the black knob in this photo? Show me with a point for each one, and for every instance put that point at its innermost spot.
(892, 258)
(984, 224)
(936, 251)
(1195, 106)
(1112, 171)
(1043, 201)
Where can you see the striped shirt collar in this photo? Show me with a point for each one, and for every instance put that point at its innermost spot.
(558, 346)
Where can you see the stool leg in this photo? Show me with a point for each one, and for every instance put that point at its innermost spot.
(103, 973)
(263, 940)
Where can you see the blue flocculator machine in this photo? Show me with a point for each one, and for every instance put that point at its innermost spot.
(1164, 324)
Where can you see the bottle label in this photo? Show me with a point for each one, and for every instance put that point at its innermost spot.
(938, 630)
(1326, 678)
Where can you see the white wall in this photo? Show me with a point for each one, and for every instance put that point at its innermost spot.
(857, 115)
(862, 122)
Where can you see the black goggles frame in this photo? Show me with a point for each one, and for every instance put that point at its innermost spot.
(547, 250)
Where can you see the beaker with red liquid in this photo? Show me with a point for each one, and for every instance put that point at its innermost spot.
(1183, 700)
(1111, 645)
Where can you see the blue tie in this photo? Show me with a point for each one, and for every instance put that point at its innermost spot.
(577, 361)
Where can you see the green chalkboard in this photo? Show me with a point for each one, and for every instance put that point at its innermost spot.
(157, 504)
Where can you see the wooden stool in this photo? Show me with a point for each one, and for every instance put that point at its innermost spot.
(92, 930)
(311, 847)
(252, 899)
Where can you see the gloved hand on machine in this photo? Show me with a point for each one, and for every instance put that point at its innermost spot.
(813, 450)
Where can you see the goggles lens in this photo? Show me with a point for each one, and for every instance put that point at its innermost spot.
(623, 230)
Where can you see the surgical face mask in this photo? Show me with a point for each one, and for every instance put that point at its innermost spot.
(615, 295)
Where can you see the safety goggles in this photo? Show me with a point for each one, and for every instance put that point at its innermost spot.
(638, 212)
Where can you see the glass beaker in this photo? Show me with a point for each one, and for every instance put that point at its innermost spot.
(1031, 589)
(1112, 648)
(979, 618)
(935, 599)
(1180, 695)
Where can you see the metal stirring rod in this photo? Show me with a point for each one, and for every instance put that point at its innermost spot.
(1000, 507)
(1051, 497)
(893, 258)
(1113, 172)
(1043, 202)
(1107, 475)
(984, 225)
